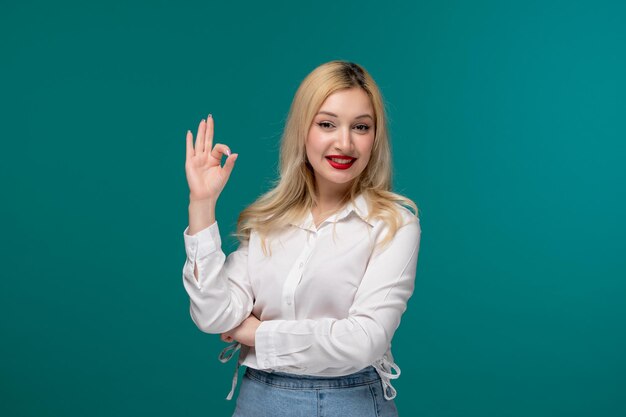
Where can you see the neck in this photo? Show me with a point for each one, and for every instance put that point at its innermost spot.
(330, 197)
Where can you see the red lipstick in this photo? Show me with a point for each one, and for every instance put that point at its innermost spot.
(341, 161)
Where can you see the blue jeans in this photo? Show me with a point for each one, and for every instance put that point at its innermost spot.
(278, 394)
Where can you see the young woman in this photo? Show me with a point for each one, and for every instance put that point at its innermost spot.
(326, 261)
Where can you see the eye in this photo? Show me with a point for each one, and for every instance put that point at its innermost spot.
(362, 127)
(325, 125)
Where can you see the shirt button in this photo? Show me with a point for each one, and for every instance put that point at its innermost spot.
(301, 264)
(288, 302)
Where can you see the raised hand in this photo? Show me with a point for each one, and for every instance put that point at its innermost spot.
(205, 176)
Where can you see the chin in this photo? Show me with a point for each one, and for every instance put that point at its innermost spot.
(340, 179)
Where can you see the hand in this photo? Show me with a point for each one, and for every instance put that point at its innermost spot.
(205, 176)
(244, 333)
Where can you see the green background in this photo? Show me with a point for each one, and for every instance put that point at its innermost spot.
(508, 129)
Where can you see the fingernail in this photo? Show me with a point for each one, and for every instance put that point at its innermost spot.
(210, 115)
(228, 152)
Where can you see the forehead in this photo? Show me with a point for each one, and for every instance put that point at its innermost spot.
(348, 103)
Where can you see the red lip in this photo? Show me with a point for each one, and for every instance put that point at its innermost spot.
(338, 165)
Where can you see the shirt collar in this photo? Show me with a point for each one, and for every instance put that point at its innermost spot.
(359, 207)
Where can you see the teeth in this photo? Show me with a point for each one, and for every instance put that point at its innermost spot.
(341, 161)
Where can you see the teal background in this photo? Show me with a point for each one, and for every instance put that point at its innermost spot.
(508, 128)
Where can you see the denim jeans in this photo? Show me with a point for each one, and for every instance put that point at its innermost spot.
(279, 394)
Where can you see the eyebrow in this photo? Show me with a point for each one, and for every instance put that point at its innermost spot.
(334, 115)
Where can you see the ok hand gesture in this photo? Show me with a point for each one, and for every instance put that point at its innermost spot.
(205, 176)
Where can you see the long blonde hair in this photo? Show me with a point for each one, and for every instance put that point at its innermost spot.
(293, 195)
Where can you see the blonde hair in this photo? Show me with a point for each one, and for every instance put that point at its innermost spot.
(293, 195)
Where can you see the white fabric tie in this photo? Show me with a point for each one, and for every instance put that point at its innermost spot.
(224, 357)
(383, 366)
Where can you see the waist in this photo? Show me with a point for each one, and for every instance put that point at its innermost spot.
(292, 381)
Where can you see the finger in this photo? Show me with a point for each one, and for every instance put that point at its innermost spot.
(200, 137)
(229, 164)
(219, 150)
(190, 151)
(209, 133)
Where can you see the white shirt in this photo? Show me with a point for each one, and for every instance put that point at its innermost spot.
(328, 301)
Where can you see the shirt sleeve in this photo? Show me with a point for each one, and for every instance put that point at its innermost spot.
(365, 335)
(221, 298)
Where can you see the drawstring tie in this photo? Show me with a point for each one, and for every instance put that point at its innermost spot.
(383, 366)
(224, 357)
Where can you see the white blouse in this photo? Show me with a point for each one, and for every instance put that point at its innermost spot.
(328, 300)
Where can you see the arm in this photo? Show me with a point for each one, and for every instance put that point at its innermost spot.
(221, 296)
(219, 291)
(362, 337)
(201, 216)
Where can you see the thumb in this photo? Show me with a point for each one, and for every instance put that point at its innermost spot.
(229, 164)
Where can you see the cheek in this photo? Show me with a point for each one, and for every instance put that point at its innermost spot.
(366, 152)
(366, 146)
(314, 143)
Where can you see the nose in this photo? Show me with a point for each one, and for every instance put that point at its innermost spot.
(344, 140)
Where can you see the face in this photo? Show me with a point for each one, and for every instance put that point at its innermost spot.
(340, 139)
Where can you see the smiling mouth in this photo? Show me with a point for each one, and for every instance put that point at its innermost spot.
(340, 162)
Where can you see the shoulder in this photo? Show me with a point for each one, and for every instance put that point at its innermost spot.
(399, 233)
(396, 224)
(405, 217)
(405, 213)
(408, 222)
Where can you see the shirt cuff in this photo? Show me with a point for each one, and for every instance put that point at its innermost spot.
(203, 243)
(263, 346)
(277, 347)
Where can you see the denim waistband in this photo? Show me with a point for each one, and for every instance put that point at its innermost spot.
(384, 368)
(292, 381)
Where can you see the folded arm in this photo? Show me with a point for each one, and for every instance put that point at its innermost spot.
(362, 337)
